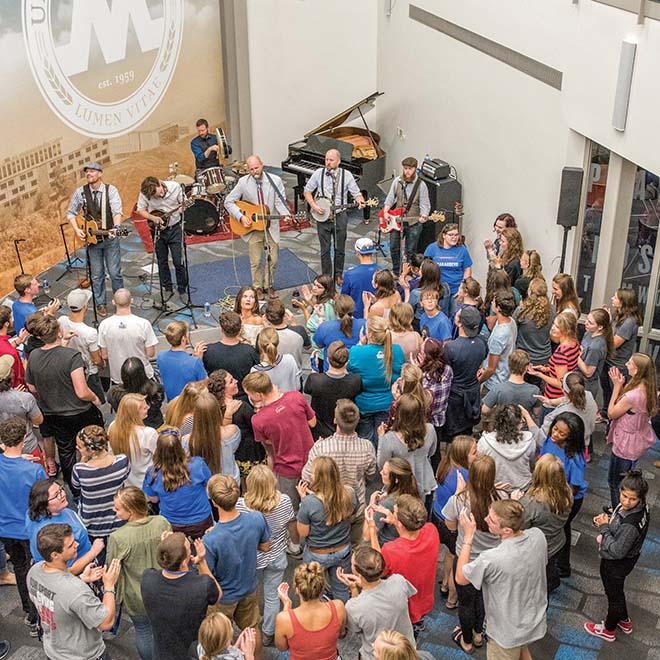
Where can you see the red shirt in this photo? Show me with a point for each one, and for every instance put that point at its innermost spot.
(416, 561)
(17, 370)
(283, 425)
(565, 355)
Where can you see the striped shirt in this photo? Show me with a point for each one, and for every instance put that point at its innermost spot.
(278, 520)
(355, 458)
(566, 355)
(98, 487)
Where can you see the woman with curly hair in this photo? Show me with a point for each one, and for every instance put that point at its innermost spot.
(530, 262)
(494, 248)
(511, 243)
(385, 296)
(512, 449)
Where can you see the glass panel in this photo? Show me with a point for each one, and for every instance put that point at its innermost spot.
(642, 240)
(654, 352)
(600, 158)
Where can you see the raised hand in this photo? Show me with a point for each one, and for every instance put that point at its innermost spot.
(92, 573)
(200, 551)
(111, 574)
(98, 546)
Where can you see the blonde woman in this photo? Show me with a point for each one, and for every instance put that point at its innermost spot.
(129, 435)
(180, 410)
(385, 296)
(324, 519)
(215, 635)
(262, 495)
(401, 319)
(378, 362)
(392, 645)
(283, 370)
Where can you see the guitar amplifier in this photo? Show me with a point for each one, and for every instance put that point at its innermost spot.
(443, 194)
(435, 169)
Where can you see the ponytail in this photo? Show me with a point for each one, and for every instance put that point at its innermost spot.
(344, 308)
(268, 342)
(378, 333)
(576, 391)
(387, 359)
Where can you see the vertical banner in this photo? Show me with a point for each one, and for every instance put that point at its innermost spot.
(120, 82)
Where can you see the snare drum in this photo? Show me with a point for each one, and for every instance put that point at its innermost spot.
(196, 189)
(213, 179)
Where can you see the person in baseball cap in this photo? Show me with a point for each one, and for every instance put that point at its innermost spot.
(365, 246)
(6, 366)
(93, 166)
(360, 278)
(470, 320)
(78, 299)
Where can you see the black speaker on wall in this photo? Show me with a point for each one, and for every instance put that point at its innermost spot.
(443, 194)
(569, 196)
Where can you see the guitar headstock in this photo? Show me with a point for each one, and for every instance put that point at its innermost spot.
(438, 216)
(372, 201)
(458, 209)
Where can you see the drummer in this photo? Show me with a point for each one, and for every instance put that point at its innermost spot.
(205, 147)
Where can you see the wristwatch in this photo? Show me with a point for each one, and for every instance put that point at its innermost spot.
(109, 591)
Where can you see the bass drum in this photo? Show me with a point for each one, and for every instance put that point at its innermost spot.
(202, 218)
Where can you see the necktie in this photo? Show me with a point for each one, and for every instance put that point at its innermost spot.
(97, 200)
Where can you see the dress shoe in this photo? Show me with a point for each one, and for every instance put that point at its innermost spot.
(102, 310)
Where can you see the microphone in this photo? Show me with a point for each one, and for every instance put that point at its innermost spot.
(19, 240)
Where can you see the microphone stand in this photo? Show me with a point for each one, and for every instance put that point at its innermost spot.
(69, 262)
(18, 254)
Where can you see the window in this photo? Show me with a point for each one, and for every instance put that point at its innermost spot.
(651, 7)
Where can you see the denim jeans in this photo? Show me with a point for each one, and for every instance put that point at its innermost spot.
(330, 562)
(272, 577)
(615, 474)
(411, 237)
(144, 640)
(106, 254)
(368, 425)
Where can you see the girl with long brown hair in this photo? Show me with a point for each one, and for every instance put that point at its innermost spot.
(597, 345)
(401, 320)
(412, 439)
(129, 435)
(385, 296)
(180, 410)
(564, 295)
(178, 484)
(247, 307)
(631, 407)
(475, 496)
(530, 262)
(324, 519)
(511, 243)
(283, 370)
(547, 504)
(378, 362)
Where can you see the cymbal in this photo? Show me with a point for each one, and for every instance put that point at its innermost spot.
(239, 166)
(184, 179)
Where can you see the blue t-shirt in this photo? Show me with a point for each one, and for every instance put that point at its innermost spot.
(356, 280)
(367, 361)
(438, 326)
(452, 261)
(446, 489)
(574, 466)
(330, 331)
(20, 311)
(188, 504)
(65, 517)
(17, 476)
(231, 553)
(177, 369)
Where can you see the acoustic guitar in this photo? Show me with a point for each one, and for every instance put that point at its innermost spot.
(259, 216)
(92, 231)
(330, 209)
(398, 217)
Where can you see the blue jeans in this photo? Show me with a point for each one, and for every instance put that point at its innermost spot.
(330, 562)
(411, 236)
(368, 425)
(272, 576)
(615, 474)
(144, 640)
(106, 254)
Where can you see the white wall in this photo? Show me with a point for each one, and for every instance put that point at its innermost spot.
(309, 60)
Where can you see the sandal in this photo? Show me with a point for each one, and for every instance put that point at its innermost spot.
(457, 638)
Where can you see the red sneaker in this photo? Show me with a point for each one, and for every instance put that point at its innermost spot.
(625, 626)
(599, 630)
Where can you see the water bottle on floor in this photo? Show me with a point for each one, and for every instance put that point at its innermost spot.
(207, 310)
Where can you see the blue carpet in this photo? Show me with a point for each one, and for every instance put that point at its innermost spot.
(209, 281)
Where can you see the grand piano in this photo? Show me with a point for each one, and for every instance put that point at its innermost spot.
(358, 147)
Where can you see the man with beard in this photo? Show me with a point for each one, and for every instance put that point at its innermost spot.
(411, 193)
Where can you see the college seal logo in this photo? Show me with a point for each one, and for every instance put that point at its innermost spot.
(103, 66)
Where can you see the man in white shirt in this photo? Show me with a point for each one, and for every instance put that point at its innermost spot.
(334, 183)
(265, 189)
(125, 335)
(83, 338)
(165, 197)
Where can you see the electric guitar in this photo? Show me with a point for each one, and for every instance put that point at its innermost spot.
(92, 231)
(398, 217)
(259, 216)
(164, 216)
(330, 209)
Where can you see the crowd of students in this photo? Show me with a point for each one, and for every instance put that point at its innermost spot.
(440, 437)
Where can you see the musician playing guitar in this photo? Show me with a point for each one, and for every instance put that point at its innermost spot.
(411, 194)
(333, 183)
(100, 202)
(266, 190)
(161, 203)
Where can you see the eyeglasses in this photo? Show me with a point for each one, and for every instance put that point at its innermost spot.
(452, 234)
(57, 495)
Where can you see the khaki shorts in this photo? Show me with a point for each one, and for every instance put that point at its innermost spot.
(496, 652)
(245, 612)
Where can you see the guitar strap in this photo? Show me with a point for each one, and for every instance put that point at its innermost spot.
(411, 199)
(277, 190)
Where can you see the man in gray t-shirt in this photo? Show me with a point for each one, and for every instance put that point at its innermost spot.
(14, 403)
(511, 576)
(381, 605)
(514, 390)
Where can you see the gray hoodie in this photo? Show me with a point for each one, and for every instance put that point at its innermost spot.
(513, 461)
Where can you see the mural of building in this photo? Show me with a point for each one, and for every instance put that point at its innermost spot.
(130, 144)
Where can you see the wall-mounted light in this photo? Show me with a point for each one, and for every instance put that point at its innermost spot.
(623, 85)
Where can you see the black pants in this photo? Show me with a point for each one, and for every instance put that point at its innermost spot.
(613, 573)
(22, 560)
(171, 240)
(64, 429)
(329, 233)
(552, 574)
(94, 384)
(564, 555)
(471, 611)
(606, 385)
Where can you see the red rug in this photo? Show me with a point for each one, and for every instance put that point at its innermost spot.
(222, 233)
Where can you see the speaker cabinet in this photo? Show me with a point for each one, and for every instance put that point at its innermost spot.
(569, 196)
(443, 194)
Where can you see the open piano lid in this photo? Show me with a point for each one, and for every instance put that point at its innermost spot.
(348, 115)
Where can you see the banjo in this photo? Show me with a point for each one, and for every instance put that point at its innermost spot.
(330, 209)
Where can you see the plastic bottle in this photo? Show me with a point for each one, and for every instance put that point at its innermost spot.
(207, 310)
(45, 285)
